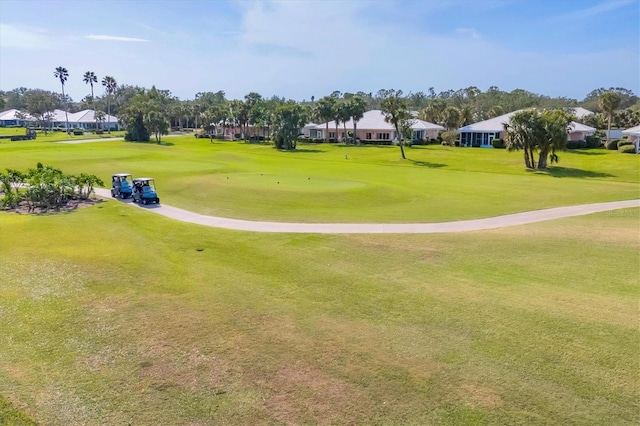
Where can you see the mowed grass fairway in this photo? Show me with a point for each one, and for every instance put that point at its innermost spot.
(325, 183)
(111, 315)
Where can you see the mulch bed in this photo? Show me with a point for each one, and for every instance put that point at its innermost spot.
(70, 206)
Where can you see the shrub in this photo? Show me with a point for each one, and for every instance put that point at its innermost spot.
(623, 142)
(78, 132)
(449, 137)
(576, 144)
(612, 144)
(627, 149)
(498, 143)
(100, 132)
(593, 141)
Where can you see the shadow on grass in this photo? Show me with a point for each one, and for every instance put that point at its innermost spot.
(152, 142)
(587, 152)
(427, 164)
(367, 146)
(573, 173)
(300, 150)
(257, 142)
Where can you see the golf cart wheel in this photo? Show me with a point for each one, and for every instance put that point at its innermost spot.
(157, 200)
(144, 201)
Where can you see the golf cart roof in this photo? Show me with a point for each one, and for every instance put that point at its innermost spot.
(142, 179)
(121, 174)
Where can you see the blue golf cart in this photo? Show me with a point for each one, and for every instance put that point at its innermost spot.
(144, 191)
(121, 185)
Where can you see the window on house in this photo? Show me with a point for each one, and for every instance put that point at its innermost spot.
(368, 136)
(332, 135)
(384, 136)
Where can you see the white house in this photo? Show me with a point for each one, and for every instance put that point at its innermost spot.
(372, 126)
(634, 136)
(481, 134)
(83, 119)
(86, 119)
(310, 130)
(13, 117)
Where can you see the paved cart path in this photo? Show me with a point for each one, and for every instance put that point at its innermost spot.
(379, 228)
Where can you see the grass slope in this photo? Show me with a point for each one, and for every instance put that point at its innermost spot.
(118, 316)
(327, 183)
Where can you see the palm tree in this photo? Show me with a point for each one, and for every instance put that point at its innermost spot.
(466, 115)
(451, 118)
(62, 74)
(394, 108)
(324, 110)
(343, 114)
(520, 132)
(110, 86)
(495, 111)
(357, 107)
(609, 102)
(90, 78)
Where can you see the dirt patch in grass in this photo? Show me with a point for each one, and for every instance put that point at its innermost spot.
(301, 394)
(187, 369)
(480, 396)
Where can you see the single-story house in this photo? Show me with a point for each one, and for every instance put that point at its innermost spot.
(310, 130)
(83, 119)
(481, 134)
(372, 126)
(12, 117)
(634, 136)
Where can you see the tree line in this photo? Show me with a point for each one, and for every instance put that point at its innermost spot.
(152, 112)
(448, 108)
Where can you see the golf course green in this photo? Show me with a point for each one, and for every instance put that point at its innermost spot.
(113, 315)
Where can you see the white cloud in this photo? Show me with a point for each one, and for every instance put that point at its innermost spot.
(23, 38)
(117, 38)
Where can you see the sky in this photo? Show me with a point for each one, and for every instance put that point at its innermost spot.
(301, 48)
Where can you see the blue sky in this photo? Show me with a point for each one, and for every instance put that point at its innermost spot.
(299, 48)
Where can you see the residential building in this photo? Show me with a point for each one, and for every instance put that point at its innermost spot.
(481, 134)
(372, 126)
(83, 119)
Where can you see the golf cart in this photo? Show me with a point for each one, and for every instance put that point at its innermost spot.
(144, 191)
(121, 185)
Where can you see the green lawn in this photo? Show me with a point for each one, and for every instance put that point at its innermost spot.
(54, 136)
(113, 316)
(327, 183)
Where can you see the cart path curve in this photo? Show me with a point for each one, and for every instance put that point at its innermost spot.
(379, 228)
